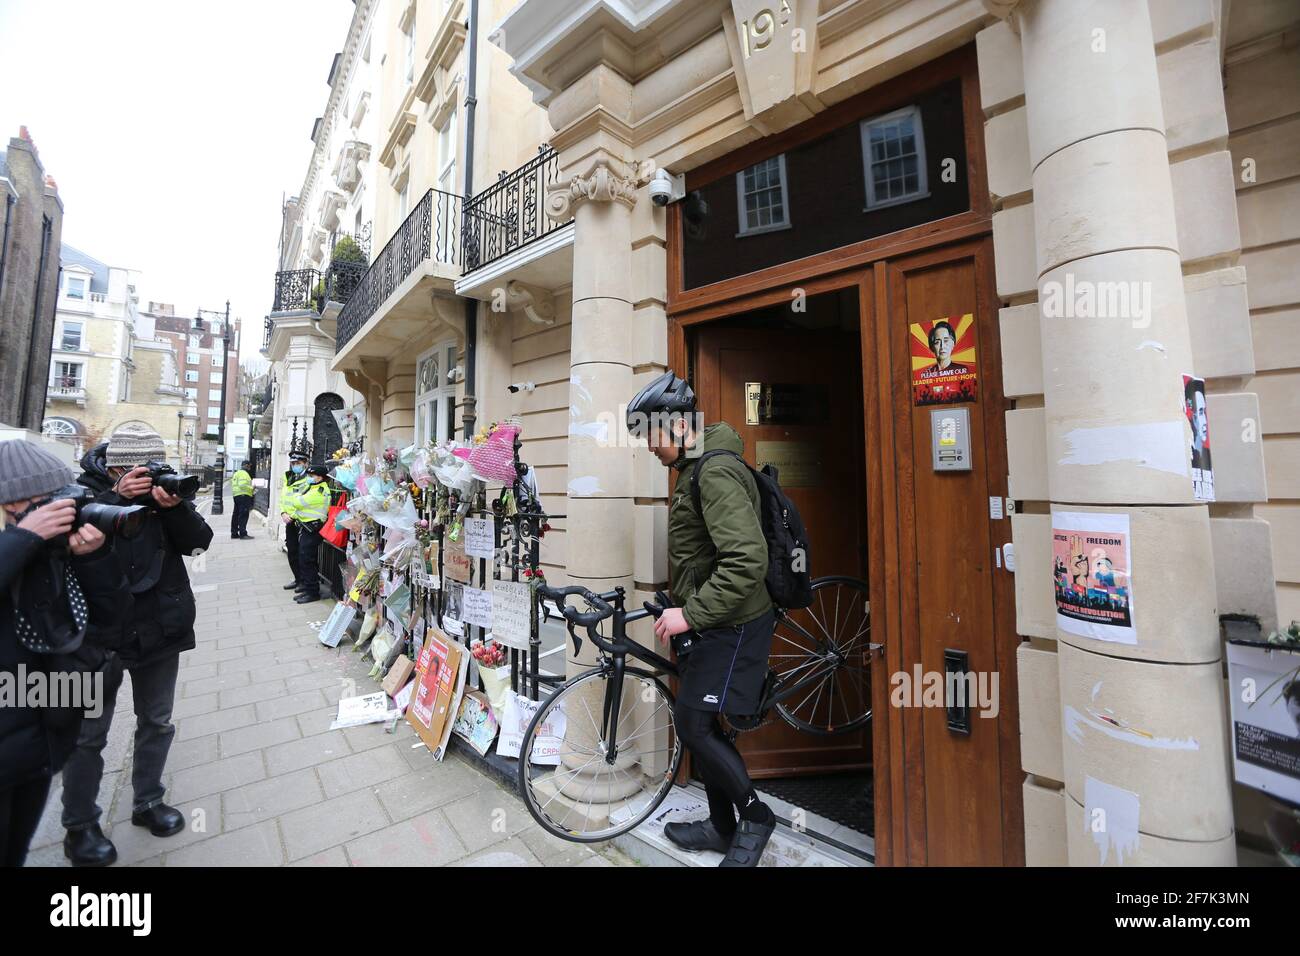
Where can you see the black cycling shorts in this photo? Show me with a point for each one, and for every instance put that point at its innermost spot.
(727, 666)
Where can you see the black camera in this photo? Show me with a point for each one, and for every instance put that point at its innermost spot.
(124, 521)
(166, 478)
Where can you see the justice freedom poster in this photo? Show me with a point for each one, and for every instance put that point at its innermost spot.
(1091, 571)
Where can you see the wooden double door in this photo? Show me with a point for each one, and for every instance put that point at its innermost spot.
(927, 541)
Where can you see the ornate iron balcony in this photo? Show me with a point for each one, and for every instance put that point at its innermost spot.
(294, 290)
(431, 230)
(511, 213)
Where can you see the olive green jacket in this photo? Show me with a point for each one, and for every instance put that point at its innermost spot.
(718, 562)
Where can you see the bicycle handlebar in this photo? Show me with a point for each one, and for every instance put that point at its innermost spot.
(588, 620)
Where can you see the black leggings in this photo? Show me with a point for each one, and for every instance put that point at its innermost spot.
(720, 765)
(20, 813)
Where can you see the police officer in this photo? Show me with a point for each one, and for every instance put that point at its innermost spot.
(312, 505)
(288, 506)
(241, 487)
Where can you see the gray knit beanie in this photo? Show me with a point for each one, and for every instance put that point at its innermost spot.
(29, 471)
(134, 444)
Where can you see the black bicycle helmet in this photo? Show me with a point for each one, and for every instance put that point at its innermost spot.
(667, 393)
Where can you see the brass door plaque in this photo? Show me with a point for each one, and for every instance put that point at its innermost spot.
(798, 463)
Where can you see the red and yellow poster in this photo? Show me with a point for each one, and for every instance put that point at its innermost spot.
(943, 361)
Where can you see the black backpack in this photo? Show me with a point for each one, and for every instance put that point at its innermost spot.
(789, 582)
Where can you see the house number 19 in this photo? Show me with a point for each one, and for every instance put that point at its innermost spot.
(758, 31)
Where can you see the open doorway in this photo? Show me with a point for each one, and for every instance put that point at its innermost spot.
(788, 378)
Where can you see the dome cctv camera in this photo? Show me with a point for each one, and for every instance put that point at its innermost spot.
(666, 188)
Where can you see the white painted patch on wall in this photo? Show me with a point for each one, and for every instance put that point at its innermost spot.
(1110, 816)
(584, 486)
(1157, 445)
(1074, 722)
(595, 430)
(1152, 344)
(1096, 689)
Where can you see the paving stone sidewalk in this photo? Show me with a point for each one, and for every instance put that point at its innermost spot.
(261, 777)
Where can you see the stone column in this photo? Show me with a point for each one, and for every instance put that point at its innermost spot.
(601, 518)
(1143, 724)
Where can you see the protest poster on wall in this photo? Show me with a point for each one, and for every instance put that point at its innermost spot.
(1091, 571)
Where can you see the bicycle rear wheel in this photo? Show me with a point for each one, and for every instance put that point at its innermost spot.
(569, 787)
(826, 643)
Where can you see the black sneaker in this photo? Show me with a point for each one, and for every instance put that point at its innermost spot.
(747, 845)
(697, 835)
(89, 847)
(306, 599)
(292, 586)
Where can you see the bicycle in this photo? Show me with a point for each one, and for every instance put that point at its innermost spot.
(584, 780)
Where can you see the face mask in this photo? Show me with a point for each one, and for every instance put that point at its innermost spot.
(298, 469)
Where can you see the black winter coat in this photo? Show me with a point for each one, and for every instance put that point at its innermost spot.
(161, 621)
(35, 742)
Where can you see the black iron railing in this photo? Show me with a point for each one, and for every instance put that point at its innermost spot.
(511, 213)
(432, 230)
(295, 290)
(342, 279)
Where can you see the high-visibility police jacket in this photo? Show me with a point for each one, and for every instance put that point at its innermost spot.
(288, 497)
(241, 484)
(312, 501)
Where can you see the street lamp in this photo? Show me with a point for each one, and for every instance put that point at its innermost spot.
(217, 504)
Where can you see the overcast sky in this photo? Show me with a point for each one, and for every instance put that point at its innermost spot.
(173, 129)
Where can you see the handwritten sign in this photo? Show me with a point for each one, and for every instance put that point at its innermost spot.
(456, 564)
(420, 576)
(511, 606)
(480, 541)
(476, 607)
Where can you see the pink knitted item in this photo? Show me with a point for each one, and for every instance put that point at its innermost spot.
(495, 460)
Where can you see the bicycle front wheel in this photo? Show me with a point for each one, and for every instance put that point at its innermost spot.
(569, 783)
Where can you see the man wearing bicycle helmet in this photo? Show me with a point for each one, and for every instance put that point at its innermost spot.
(717, 563)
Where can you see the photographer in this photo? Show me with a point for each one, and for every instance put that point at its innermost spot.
(58, 587)
(159, 627)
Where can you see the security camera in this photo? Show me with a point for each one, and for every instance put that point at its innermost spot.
(456, 375)
(521, 387)
(666, 188)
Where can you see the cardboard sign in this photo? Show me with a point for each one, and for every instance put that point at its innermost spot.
(437, 671)
(511, 611)
(476, 607)
(475, 722)
(398, 675)
(943, 361)
(1091, 570)
(337, 624)
(456, 564)
(480, 541)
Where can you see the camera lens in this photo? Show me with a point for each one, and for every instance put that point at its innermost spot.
(123, 521)
(183, 486)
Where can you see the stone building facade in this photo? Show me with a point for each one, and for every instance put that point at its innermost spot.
(107, 365)
(1098, 217)
(29, 280)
